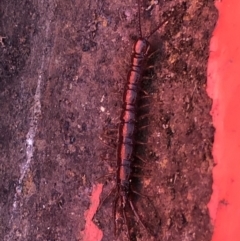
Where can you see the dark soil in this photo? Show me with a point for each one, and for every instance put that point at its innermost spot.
(63, 67)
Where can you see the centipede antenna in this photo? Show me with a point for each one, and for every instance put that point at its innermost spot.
(139, 20)
(156, 29)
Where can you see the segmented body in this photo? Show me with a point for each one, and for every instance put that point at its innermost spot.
(127, 125)
(128, 118)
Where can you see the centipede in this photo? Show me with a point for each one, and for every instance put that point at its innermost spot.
(127, 128)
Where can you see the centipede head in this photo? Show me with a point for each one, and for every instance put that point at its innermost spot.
(141, 46)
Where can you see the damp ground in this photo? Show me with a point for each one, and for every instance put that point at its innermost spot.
(63, 69)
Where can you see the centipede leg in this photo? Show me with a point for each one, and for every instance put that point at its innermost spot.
(143, 91)
(109, 137)
(104, 200)
(141, 167)
(144, 116)
(150, 201)
(140, 175)
(140, 158)
(125, 221)
(150, 67)
(112, 147)
(104, 176)
(145, 97)
(153, 53)
(141, 143)
(144, 105)
(141, 195)
(136, 215)
(143, 127)
(113, 129)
